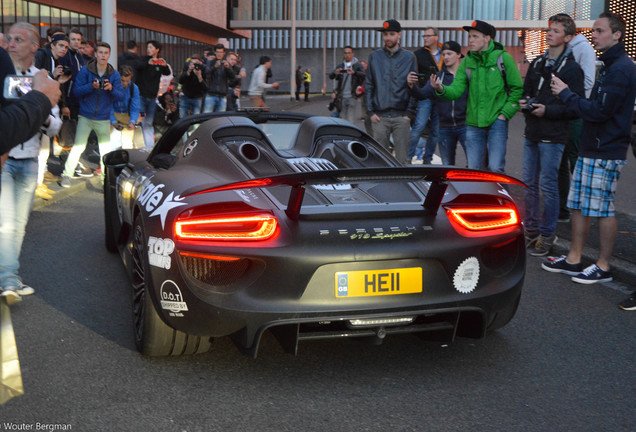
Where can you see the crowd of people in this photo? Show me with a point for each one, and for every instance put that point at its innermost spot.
(578, 120)
(77, 96)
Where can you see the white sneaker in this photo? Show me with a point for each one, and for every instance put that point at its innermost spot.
(24, 289)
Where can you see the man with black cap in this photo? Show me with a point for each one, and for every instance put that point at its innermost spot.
(389, 103)
(493, 96)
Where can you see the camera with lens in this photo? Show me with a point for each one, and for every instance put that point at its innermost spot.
(102, 82)
(198, 66)
(529, 107)
(66, 71)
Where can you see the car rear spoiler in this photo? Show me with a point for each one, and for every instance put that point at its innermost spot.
(438, 176)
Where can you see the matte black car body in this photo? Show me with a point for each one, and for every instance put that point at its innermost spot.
(345, 210)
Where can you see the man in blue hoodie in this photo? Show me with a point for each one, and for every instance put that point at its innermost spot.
(98, 87)
(607, 121)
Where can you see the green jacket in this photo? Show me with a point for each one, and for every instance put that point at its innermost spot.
(487, 97)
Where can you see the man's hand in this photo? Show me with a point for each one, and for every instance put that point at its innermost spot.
(436, 83)
(501, 117)
(375, 118)
(51, 88)
(131, 126)
(3, 159)
(66, 112)
(557, 86)
(275, 85)
(539, 110)
(107, 85)
(412, 79)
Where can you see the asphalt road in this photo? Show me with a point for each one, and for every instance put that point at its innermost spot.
(563, 363)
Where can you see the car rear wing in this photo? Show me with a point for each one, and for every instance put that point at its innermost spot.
(438, 176)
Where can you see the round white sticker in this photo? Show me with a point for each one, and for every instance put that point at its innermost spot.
(467, 275)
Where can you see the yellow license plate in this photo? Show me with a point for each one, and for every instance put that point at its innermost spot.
(365, 283)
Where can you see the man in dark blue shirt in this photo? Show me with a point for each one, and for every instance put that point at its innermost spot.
(607, 117)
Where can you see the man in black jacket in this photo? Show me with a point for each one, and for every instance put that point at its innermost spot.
(219, 76)
(389, 103)
(193, 86)
(130, 57)
(547, 132)
(348, 75)
(605, 139)
(149, 70)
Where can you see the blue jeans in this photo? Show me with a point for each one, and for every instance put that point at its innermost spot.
(425, 110)
(148, 106)
(447, 140)
(541, 170)
(487, 142)
(214, 103)
(19, 180)
(185, 103)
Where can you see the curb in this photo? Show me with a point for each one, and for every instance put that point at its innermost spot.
(77, 185)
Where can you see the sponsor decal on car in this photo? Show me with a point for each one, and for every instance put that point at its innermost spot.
(151, 199)
(171, 298)
(467, 275)
(159, 251)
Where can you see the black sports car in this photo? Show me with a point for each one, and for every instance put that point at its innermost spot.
(237, 223)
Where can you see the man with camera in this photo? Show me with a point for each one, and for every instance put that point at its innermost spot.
(193, 86)
(98, 87)
(607, 117)
(20, 174)
(349, 75)
(547, 132)
(219, 77)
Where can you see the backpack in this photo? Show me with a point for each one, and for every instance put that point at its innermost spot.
(502, 69)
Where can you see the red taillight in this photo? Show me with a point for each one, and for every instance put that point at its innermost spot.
(230, 228)
(483, 218)
(208, 256)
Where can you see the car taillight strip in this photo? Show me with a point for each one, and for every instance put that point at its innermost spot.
(235, 228)
(478, 219)
(207, 256)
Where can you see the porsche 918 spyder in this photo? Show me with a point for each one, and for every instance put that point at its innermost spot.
(238, 223)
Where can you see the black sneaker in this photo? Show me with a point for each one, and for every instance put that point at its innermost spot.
(629, 303)
(560, 265)
(564, 217)
(83, 172)
(592, 274)
(543, 245)
(531, 238)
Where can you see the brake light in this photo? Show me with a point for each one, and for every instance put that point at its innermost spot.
(481, 176)
(231, 228)
(483, 218)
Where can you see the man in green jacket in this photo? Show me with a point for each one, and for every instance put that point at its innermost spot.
(493, 96)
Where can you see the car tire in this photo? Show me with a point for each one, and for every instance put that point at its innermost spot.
(153, 337)
(110, 208)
